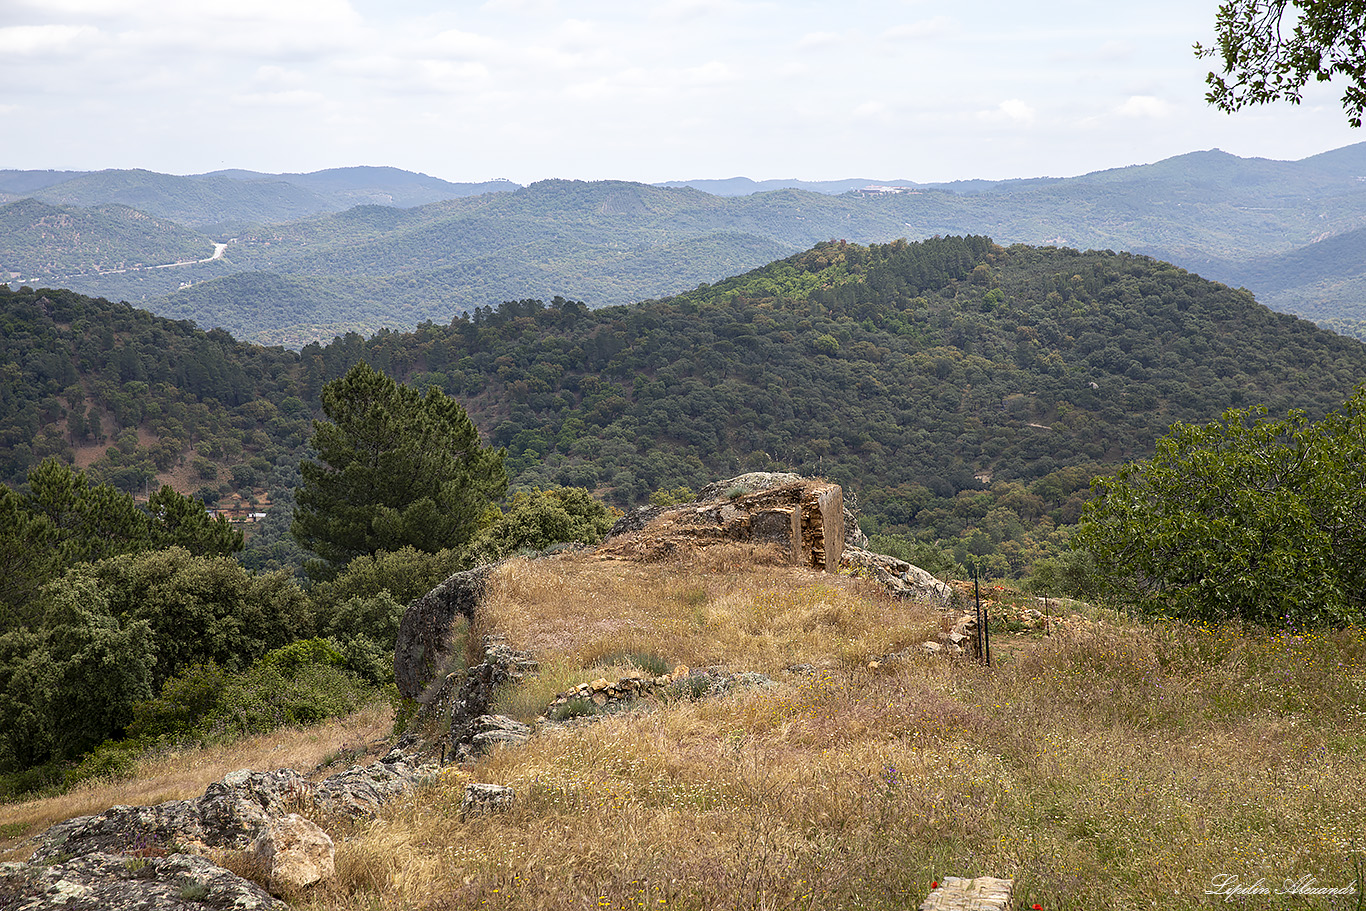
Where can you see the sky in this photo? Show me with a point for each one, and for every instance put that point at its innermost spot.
(627, 89)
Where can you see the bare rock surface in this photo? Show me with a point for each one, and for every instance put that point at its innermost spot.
(958, 893)
(123, 882)
(296, 852)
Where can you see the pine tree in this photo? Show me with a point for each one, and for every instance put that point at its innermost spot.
(394, 469)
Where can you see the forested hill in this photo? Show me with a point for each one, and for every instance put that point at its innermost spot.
(296, 268)
(961, 389)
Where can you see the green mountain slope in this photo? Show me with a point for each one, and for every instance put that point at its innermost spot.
(47, 243)
(229, 200)
(613, 242)
(965, 391)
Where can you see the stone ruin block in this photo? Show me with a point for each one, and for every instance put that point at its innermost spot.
(778, 525)
(822, 531)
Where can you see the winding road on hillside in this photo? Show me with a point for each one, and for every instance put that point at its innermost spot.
(218, 252)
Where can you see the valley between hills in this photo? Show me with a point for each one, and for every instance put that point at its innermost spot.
(312, 256)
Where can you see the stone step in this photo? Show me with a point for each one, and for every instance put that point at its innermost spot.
(958, 893)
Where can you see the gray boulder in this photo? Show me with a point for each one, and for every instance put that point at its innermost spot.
(899, 577)
(124, 882)
(424, 648)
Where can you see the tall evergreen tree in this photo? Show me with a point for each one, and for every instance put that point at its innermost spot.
(395, 469)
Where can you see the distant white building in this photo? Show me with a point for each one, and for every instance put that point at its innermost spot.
(878, 190)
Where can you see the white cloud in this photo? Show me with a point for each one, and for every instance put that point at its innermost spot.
(1144, 106)
(815, 40)
(455, 43)
(33, 40)
(290, 98)
(1012, 110)
(925, 28)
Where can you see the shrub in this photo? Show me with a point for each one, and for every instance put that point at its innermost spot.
(184, 700)
(290, 659)
(264, 698)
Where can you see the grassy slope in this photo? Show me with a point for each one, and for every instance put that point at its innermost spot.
(1110, 765)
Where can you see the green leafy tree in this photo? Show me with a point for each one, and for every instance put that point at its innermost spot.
(1242, 518)
(535, 520)
(405, 574)
(1272, 49)
(395, 469)
(181, 521)
(26, 727)
(199, 609)
(101, 667)
(27, 559)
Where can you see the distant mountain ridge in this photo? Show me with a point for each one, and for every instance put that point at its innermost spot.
(225, 199)
(346, 266)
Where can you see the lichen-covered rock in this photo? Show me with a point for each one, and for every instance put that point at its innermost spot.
(473, 697)
(486, 798)
(235, 812)
(123, 882)
(423, 647)
(360, 791)
(899, 577)
(497, 730)
(231, 814)
(295, 852)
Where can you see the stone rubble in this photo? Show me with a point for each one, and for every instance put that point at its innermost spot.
(138, 857)
(803, 518)
(957, 893)
(683, 682)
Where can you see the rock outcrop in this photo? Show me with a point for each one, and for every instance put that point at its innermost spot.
(423, 648)
(122, 882)
(150, 857)
(899, 577)
(465, 700)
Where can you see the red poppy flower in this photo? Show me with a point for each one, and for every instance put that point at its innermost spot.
(935, 884)
(1036, 907)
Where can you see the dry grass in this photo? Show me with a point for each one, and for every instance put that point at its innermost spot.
(1110, 766)
(719, 609)
(181, 774)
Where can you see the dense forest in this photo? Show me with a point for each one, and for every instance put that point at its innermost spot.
(312, 256)
(963, 391)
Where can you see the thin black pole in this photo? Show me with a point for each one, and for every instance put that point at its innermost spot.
(986, 633)
(981, 627)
